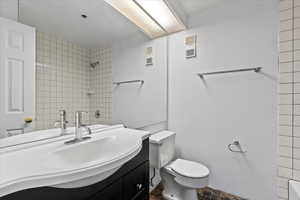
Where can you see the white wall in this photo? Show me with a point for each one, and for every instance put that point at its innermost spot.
(209, 115)
(135, 105)
(9, 9)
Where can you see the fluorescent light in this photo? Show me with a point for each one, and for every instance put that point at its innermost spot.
(162, 13)
(154, 17)
(134, 13)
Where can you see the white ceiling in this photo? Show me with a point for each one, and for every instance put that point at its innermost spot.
(190, 7)
(103, 26)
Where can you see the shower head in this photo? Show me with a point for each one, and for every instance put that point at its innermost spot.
(93, 65)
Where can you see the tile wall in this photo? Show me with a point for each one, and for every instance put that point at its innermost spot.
(64, 79)
(101, 86)
(289, 96)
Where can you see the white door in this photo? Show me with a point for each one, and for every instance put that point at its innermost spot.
(17, 75)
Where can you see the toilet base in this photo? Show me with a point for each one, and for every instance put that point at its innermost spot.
(175, 191)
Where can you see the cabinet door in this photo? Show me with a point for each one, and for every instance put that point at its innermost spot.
(112, 192)
(136, 183)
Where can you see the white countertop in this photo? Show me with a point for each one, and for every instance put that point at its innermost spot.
(29, 167)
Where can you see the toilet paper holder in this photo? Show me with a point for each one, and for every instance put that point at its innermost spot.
(237, 146)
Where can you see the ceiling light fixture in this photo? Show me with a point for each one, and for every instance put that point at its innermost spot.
(162, 13)
(154, 17)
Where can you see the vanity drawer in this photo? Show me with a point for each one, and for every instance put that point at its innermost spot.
(136, 183)
(112, 192)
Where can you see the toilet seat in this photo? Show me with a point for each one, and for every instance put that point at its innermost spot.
(189, 169)
(182, 178)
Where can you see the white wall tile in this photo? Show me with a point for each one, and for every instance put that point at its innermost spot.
(63, 76)
(289, 136)
(296, 175)
(297, 120)
(296, 142)
(297, 109)
(285, 109)
(282, 182)
(285, 130)
(296, 153)
(285, 99)
(286, 14)
(285, 141)
(297, 33)
(286, 57)
(297, 77)
(285, 172)
(296, 3)
(286, 36)
(296, 131)
(296, 164)
(286, 88)
(287, 25)
(287, 4)
(286, 120)
(282, 192)
(101, 83)
(285, 151)
(285, 162)
(287, 67)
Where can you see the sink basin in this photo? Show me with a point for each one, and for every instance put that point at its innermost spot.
(82, 153)
(56, 164)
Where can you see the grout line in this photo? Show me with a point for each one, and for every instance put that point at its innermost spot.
(293, 85)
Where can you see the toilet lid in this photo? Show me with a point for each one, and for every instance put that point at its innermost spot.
(189, 169)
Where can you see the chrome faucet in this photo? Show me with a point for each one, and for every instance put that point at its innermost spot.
(78, 129)
(62, 122)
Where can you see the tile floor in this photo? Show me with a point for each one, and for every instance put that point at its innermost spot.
(203, 194)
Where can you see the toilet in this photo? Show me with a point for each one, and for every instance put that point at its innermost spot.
(180, 177)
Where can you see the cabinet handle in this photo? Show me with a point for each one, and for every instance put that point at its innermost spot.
(139, 186)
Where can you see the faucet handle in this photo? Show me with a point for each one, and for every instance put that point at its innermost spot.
(88, 129)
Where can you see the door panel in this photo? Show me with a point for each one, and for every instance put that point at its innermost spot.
(14, 86)
(17, 75)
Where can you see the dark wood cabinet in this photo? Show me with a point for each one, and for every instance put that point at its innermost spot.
(112, 192)
(135, 183)
(130, 182)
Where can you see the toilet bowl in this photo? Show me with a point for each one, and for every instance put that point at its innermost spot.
(181, 178)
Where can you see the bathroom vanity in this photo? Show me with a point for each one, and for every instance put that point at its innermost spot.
(129, 182)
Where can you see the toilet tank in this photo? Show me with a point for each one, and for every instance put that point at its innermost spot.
(162, 148)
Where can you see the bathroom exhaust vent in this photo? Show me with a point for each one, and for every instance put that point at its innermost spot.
(149, 61)
(190, 46)
(149, 56)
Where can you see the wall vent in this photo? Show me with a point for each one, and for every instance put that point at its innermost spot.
(149, 56)
(190, 46)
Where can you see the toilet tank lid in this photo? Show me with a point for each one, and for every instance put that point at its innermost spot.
(158, 138)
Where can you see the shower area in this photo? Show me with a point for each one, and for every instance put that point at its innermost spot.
(71, 77)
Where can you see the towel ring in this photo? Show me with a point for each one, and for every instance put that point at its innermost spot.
(238, 145)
